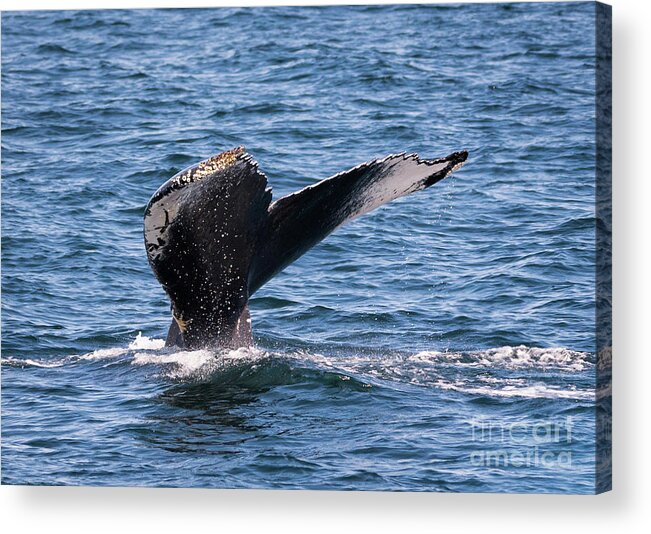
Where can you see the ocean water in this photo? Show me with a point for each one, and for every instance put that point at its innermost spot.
(445, 342)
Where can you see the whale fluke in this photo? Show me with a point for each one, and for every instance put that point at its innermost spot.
(213, 237)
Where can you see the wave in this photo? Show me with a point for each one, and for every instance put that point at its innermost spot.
(532, 391)
(53, 48)
(139, 343)
(10, 361)
(479, 373)
(514, 358)
(187, 363)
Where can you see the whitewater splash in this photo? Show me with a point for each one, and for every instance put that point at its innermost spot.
(514, 358)
(139, 343)
(471, 372)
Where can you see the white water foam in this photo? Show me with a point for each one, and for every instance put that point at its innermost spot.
(424, 369)
(18, 362)
(533, 391)
(474, 371)
(146, 343)
(103, 354)
(186, 363)
(513, 358)
(140, 343)
(199, 363)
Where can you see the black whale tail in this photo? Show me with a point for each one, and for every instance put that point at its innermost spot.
(213, 236)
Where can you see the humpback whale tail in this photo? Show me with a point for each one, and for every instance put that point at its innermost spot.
(214, 237)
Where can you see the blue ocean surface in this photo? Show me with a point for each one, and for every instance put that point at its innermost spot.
(444, 342)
